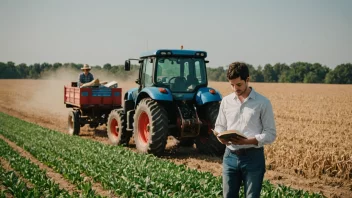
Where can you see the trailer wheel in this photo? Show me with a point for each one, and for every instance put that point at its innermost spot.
(73, 122)
(206, 142)
(150, 127)
(116, 127)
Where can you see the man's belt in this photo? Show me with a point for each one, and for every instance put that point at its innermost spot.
(244, 151)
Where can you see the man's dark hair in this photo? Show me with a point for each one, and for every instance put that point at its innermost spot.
(237, 69)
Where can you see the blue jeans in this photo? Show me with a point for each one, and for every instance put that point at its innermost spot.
(248, 168)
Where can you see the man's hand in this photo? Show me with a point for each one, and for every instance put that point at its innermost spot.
(239, 141)
(223, 141)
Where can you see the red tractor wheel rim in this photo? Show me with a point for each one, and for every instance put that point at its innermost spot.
(143, 128)
(114, 127)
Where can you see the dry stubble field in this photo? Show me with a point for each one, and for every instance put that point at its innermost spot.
(312, 151)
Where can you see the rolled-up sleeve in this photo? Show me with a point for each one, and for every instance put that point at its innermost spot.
(268, 134)
(221, 123)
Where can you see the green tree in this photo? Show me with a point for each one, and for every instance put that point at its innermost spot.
(56, 66)
(269, 74)
(11, 71)
(256, 75)
(22, 70)
(280, 68)
(311, 77)
(3, 67)
(320, 72)
(107, 66)
(259, 75)
(342, 74)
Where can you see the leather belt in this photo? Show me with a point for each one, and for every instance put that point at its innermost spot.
(243, 151)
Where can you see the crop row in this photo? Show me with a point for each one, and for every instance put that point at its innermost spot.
(126, 173)
(15, 186)
(43, 186)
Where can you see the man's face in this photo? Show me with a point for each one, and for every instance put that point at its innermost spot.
(86, 71)
(239, 86)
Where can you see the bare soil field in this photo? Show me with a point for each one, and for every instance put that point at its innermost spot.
(312, 150)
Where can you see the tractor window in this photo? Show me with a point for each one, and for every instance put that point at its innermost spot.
(180, 74)
(186, 69)
(167, 68)
(199, 72)
(148, 72)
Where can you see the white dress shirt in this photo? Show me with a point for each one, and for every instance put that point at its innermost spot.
(254, 118)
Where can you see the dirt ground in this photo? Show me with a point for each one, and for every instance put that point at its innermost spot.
(41, 102)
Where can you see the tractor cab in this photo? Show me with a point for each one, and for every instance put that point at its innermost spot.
(180, 71)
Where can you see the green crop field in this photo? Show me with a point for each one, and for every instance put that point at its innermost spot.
(121, 171)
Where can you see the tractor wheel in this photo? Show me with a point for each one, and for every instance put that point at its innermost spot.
(150, 127)
(187, 143)
(206, 142)
(116, 127)
(73, 122)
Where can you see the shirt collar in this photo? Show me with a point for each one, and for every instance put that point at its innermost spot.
(252, 94)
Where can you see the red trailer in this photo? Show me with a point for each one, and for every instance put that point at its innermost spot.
(94, 106)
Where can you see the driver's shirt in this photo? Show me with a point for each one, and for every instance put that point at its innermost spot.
(254, 118)
(82, 78)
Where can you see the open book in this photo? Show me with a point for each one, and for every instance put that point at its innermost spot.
(227, 135)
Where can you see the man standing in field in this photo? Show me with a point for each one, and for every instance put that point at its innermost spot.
(86, 76)
(251, 113)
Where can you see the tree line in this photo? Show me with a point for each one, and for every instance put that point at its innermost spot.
(298, 72)
(11, 71)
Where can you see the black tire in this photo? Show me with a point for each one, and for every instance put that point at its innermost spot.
(93, 125)
(73, 122)
(116, 127)
(206, 142)
(187, 143)
(150, 127)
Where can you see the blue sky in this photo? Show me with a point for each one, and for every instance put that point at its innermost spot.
(99, 32)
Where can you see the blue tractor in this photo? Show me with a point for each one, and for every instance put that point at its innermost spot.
(173, 98)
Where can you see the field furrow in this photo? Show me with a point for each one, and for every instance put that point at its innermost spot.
(36, 182)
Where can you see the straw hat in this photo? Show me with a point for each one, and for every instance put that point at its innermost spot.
(86, 66)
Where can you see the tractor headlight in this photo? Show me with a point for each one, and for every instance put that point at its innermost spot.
(164, 53)
(201, 54)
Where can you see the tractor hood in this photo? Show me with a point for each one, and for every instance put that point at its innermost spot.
(183, 96)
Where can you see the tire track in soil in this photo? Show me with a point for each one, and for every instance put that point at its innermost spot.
(56, 177)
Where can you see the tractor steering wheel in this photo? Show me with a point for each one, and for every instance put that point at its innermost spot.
(181, 77)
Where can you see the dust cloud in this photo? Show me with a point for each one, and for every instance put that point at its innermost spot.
(48, 94)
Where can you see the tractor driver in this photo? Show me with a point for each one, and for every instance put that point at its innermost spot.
(86, 76)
